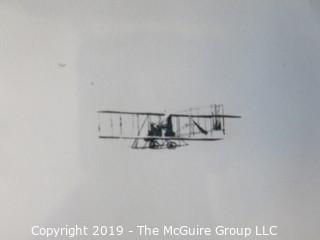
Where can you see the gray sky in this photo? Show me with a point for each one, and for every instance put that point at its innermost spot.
(259, 58)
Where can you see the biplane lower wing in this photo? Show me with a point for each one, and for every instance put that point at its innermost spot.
(163, 138)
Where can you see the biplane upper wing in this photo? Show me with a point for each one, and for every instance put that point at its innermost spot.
(172, 114)
(205, 115)
(132, 113)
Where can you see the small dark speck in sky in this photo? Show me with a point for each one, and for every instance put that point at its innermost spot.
(62, 64)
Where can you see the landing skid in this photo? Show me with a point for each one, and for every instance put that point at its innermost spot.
(158, 144)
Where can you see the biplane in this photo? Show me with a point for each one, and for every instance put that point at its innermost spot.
(156, 130)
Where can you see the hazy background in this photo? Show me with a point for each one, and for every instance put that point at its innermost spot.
(61, 61)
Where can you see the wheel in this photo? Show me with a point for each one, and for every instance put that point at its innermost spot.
(152, 144)
(171, 145)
